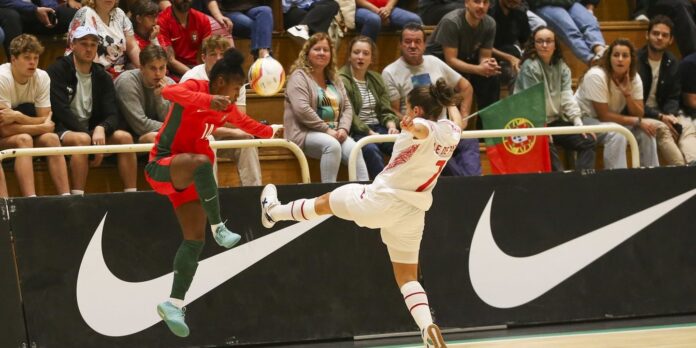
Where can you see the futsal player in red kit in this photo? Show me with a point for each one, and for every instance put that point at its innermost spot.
(181, 167)
(398, 198)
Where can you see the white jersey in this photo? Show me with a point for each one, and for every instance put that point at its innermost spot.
(416, 164)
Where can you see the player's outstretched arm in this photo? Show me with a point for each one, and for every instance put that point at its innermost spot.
(249, 125)
(419, 130)
(189, 93)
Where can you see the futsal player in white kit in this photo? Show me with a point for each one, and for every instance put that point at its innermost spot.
(398, 198)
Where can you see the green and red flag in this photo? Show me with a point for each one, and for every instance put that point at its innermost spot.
(518, 154)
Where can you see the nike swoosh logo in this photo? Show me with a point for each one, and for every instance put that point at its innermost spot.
(113, 307)
(209, 199)
(504, 281)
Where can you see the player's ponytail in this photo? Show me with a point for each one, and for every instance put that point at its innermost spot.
(433, 98)
(229, 67)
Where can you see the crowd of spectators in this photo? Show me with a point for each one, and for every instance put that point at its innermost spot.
(107, 87)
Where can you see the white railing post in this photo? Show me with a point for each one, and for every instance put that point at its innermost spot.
(496, 133)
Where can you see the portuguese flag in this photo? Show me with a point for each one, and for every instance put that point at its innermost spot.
(518, 154)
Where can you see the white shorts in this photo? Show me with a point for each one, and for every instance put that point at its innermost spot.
(401, 224)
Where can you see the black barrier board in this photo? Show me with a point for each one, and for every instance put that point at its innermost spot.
(12, 332)
(334, 280)
(331, 282)
(649, 273)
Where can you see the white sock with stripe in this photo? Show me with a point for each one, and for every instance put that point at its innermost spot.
(417, 303)
(299, 210)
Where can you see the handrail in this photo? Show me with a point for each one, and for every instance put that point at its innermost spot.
(127, 148)
(495, 133)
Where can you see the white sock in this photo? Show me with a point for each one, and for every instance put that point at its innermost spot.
(78, 192)
(299, 210)
(214, 227)
(31, 196)
(132, 189)
(65, 194)
(417, 303)
(177, 302)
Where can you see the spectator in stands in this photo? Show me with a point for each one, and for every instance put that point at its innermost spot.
(431, 11)
(219, 24)
(416, 69)
(682, 13)
(115, 32)
(543, 63)
(590, 5)
(464, 40)
(687, 73)
(575, 25)
(247, 159)
(605, 92)
(658, 68)
(303, 18)
(25, 114)
(252, 19)
(372, 113)
(182, 30)
(370, 15)
(85, 109)
(139, 94)
(318, 114)
(40, 17)
(145, 28)
(511, 34)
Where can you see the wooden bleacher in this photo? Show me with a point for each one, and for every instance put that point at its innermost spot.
(279, 165)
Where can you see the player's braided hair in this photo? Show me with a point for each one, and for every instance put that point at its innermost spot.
(433, 98)
(229, 67)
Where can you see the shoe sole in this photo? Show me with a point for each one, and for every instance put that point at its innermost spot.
(176, 328)
(435, 336)
(264, 221)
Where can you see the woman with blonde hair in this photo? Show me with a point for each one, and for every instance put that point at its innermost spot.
(115, 31)
(318, 114)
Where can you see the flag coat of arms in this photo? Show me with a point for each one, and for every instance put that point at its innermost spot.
(518, 154)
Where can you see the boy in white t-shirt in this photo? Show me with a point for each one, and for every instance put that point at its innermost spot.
(398, 198)
(25, 114)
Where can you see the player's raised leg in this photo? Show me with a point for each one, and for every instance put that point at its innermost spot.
(273, 211)
(197, 169)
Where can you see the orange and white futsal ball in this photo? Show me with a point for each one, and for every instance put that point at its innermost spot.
(266, 76)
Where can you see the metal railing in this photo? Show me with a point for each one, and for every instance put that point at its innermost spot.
(218, 144)
(498, 133)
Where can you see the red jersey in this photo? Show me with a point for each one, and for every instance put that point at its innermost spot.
(190, 121)
(186, 41)
(143, 42)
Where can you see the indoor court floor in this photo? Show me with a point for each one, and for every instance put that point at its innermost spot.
(656, 332)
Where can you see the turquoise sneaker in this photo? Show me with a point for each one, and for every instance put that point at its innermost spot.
(225, 238)
(174, 318)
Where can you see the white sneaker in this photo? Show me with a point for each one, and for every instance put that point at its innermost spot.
(432, 337)
(642, 18)
(300, 31)
(269, 199)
